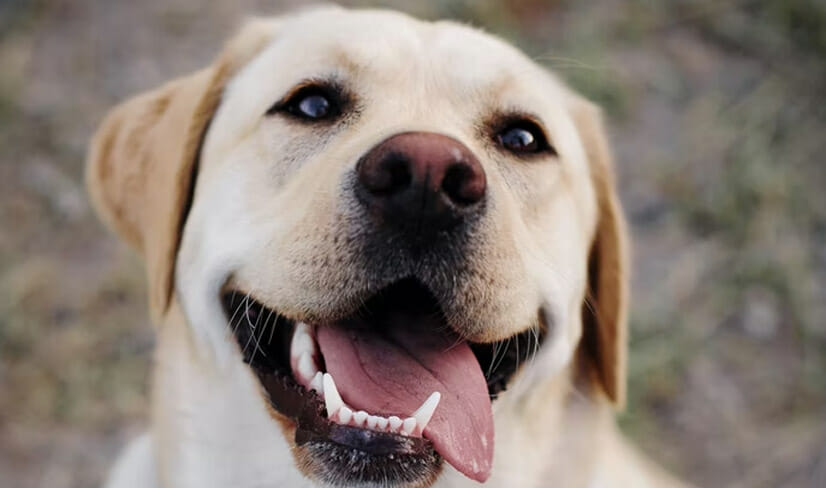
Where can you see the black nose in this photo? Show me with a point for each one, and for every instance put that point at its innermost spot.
(421, 180)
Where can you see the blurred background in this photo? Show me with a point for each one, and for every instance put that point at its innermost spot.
(717, 112)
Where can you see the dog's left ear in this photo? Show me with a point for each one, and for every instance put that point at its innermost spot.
(605, 328)
(142, 160)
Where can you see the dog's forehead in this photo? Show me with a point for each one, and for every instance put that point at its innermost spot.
(392, 39)
(384, 47)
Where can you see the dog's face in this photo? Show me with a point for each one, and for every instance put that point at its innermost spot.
(388, 217)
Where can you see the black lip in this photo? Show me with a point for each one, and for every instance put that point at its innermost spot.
(338, 452)
(312, 426)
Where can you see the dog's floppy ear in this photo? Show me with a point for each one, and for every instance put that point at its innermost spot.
(142, 160)
(605, 328)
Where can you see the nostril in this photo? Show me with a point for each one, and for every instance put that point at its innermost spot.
(463, 184)
(390, 175)
(397, 168)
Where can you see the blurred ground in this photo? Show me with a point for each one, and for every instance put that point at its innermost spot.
(718, 116)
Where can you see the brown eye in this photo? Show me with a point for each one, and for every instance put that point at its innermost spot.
(523, 137)
(310, 103)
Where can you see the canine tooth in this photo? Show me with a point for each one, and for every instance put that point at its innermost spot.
(395, 423)
(408, 425)
(306, 367)
(302, 340)
(372, 422)
(425, 412)
(381, 423)
(317, 383)
(359, 418)
(344, 415)
(332, 399)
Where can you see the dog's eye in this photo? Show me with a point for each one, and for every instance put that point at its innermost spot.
(523, 137)
(310, 103)
(314, 106)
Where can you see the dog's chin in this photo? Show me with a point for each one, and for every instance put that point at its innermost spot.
(344, 436)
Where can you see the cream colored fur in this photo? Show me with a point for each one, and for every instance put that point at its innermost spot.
(267, 205)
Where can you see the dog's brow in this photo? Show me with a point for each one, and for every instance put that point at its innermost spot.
(499, 87)
(345, 61)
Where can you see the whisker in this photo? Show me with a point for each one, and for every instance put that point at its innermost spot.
(241, 305)
(250, 326)
(493, 359)
(516, 340)
(504, 353)
(257, 337)
(535, 334)
(274, 325)
(235, 312)
(563, 62)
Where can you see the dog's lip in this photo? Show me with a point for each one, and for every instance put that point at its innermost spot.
(305, 411)
(308, 417)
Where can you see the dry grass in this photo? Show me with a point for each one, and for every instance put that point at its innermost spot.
(718, 117)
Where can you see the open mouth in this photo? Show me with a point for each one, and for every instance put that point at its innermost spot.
(385, 393)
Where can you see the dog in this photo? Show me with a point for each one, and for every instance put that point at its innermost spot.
(381, 252)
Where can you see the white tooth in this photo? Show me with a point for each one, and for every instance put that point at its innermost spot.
(332, 399)
(372, 421)
(302, 340)
(344, 415)
(359, 418)
(317, 383)
(306, 367)
(408, 425)
(395, 423)
(425, 412)
(381, 423)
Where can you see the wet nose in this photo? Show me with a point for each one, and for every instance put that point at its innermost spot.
(430, 180)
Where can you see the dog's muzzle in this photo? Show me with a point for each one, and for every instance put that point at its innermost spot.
(381, 394)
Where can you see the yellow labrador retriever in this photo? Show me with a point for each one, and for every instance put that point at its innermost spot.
(381, 252)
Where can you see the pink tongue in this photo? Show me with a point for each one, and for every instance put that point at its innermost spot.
(393, 373)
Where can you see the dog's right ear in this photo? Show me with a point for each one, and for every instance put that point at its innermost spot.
(142, 161)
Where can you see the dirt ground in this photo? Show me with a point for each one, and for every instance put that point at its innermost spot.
(718, 117)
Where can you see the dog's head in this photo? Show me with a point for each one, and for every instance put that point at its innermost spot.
(383, 218)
